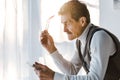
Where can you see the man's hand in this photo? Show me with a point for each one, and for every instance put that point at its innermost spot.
(47, 41)
(43, 72)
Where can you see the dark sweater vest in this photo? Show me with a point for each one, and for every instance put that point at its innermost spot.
(113, 69)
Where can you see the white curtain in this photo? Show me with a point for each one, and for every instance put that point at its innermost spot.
(15, 41)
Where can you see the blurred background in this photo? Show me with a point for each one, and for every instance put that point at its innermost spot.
(21, 22)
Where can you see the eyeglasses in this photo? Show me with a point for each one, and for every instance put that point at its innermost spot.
(48, 21)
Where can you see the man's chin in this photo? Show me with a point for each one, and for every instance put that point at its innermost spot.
(71, 37)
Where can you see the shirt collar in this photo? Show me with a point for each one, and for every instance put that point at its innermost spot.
(83, 36)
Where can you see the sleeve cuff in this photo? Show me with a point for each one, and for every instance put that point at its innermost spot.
(59, 76)
(54, 54)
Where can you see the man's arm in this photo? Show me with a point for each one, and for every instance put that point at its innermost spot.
(67, 67)
(102, 47)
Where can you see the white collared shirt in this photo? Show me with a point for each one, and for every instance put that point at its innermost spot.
(102, 46)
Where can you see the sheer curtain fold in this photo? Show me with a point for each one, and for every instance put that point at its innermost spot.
(14, 47)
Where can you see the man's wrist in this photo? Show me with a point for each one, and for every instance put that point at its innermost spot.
(53, 50)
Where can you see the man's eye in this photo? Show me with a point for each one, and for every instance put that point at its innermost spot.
(68, 23)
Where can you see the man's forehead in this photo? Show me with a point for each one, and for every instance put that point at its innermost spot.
(65, 18)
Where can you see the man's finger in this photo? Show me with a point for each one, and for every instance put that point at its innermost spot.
(39, 66)
(37, 72)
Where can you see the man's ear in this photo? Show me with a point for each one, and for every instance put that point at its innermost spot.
(83, 21)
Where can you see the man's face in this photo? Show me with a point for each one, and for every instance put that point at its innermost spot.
(73, 28)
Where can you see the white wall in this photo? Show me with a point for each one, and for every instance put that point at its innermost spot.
(110, 17)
